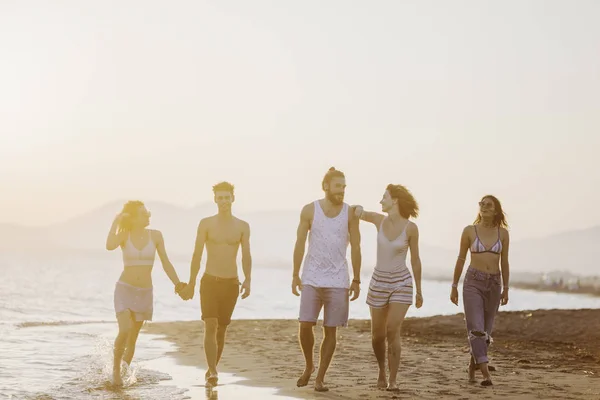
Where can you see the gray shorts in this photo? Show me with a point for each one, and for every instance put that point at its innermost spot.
(335, 301)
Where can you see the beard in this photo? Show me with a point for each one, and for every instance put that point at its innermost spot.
(336, 199)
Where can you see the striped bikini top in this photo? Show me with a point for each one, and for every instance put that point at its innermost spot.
(132, 256)
(478, 247)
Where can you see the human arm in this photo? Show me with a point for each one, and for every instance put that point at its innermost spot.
(504, 267)
(164, 259)
(460, 264)
(301, 235)
(356, 256)
(368, 216)
(114, 239)
(246, 260)
(415, 260)
(188, 292)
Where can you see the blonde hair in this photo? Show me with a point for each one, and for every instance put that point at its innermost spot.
(130, 208)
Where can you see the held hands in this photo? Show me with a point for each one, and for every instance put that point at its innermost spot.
(186, 292)
(245, 289)
(179, 286)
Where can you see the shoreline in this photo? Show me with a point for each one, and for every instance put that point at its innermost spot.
(537, 286)
(547, 353)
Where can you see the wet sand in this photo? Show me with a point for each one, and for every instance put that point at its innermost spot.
(549, 354)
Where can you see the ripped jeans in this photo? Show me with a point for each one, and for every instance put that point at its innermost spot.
(481, 299)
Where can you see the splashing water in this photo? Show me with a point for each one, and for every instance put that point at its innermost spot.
(88, 375)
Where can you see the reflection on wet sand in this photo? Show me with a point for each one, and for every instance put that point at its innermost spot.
(192, 378)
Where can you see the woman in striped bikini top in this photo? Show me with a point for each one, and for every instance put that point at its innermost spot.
(477, 247)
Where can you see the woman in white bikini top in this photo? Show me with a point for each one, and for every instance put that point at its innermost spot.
(391, 288)
(133, 297)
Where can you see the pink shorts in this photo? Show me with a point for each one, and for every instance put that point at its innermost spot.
(135, 299)
(335, 301)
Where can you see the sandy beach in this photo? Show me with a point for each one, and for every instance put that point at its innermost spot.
(550, 354)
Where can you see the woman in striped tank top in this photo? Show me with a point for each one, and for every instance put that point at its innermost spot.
(391, 288)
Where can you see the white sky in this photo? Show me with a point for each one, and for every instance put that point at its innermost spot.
(160, 100)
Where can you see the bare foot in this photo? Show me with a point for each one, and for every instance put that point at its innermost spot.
(320, 387)
(487, 382)
(212, 378)
(382, 380)
(117, 381)
(303, 380)
(393, 387)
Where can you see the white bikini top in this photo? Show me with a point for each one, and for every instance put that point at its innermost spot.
(135, 257)
(391, 254)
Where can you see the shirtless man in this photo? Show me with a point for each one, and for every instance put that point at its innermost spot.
(219, 286)
(325, 281)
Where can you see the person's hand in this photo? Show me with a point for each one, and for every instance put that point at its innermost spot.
(179, 286)
(419, 300)
(296, 285)
(358, 210)
(354, 291)
(504, 298)
(187, 293)
(245, 289)
(454, 295)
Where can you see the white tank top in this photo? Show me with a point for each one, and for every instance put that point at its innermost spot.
(391, 254)
(132, 256)
(325, 264)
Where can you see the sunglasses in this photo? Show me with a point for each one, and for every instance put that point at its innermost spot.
(486, 204)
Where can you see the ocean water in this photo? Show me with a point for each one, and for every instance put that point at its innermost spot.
(57, 324)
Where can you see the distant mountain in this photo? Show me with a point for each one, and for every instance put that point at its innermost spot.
(88, 231)
(577, 252)
(273, 237)
(571, 253)
(273, 234)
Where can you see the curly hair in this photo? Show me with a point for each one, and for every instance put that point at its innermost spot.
(130, 208)
(407, 205)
